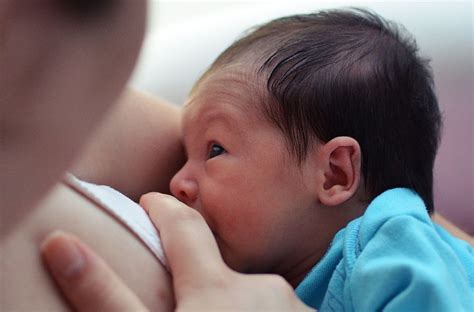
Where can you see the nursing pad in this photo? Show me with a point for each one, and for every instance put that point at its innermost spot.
(124, 210)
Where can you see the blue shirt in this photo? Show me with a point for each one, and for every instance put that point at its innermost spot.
(393, 258)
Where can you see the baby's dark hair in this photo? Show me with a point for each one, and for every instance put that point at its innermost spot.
(350, 73)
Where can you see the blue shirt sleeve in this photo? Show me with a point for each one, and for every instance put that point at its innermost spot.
(405, 266)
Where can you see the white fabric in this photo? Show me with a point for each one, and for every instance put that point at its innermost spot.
(123, 209)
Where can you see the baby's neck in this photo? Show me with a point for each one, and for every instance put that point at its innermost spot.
(318, 242)
(298, 272)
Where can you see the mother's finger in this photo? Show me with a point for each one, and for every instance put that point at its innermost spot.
(189, 245)
(84, 278)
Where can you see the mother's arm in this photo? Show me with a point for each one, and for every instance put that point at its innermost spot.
(453, 229)
(137, 149)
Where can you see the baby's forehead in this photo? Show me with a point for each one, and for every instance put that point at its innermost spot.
(233, 76)
(230, 86)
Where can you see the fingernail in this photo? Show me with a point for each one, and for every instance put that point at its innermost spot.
(62, 255)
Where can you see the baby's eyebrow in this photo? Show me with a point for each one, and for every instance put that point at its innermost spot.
(232, 125)
(221, 117)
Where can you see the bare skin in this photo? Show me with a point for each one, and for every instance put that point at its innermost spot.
(453, 229)
(63, 208)
(137, 149)
(201, 280)
(32, 289)
(57, 61)
(62, 79)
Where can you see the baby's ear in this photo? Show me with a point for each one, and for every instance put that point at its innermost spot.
(339, 164)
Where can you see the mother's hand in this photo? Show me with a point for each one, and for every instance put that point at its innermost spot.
(201, 279)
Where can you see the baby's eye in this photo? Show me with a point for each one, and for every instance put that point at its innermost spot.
(215, 150)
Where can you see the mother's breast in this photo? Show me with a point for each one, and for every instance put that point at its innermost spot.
(25, 285)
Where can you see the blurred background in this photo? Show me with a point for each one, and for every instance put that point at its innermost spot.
(184, 37)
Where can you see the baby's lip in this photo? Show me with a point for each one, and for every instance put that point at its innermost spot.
(217, 238)
(195, 206)
(199, 209)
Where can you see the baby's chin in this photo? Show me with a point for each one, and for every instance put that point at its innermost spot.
(227, 255)
(233, 260)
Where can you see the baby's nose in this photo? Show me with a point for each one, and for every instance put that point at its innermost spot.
(184, 188)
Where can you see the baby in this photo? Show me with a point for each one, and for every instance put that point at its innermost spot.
(310, 147)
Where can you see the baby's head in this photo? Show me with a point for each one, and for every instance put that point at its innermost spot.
(296, 126)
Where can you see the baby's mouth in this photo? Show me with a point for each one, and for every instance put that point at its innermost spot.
(217, 238)
(215, 235)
